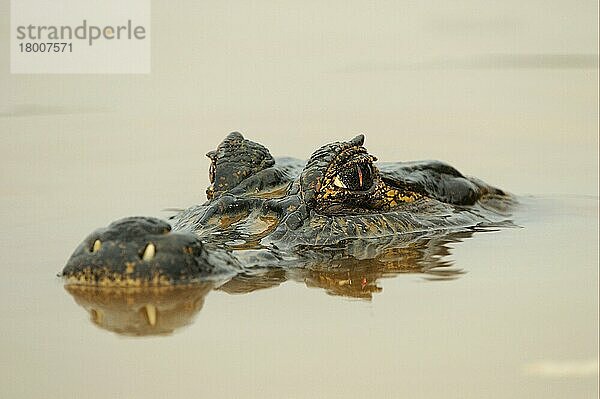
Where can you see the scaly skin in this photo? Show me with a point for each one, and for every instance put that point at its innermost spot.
(270, 212)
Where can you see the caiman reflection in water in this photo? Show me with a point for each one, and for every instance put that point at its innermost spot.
(147, 311)
(339, 221)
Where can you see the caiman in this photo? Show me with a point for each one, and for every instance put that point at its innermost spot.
(273, 213)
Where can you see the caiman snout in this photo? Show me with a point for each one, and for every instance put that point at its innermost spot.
(140, 251)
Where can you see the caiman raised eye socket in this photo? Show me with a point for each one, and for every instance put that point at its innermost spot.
(211, 172)
(355, 177)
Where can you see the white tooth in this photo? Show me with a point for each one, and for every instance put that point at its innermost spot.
(97, 316)
(338, 182)
(151, 314)
(97, 246)
(149, 252)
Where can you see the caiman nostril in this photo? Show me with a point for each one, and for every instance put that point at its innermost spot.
(149, 252)
(96, 247)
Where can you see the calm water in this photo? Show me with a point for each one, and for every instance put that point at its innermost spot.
(507, 93)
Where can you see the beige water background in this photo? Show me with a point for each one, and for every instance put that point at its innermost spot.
(503, 90)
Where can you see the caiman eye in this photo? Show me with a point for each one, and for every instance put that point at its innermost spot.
(211, 172)
(356, 177)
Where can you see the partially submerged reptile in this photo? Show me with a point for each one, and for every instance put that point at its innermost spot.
(265, 212)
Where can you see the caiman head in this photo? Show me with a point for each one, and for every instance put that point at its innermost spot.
(340, 194)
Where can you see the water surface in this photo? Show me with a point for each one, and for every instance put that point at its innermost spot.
(505, 92)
